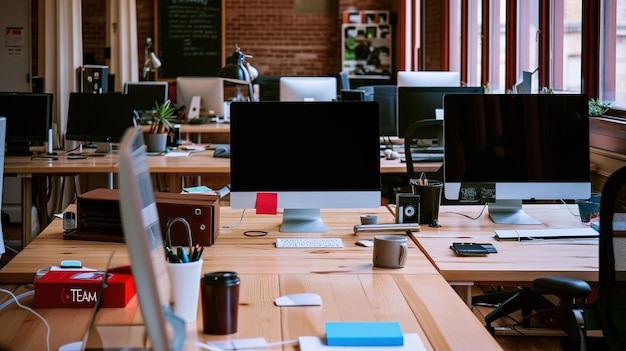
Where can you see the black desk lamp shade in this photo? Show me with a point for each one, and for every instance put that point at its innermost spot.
(236, 72)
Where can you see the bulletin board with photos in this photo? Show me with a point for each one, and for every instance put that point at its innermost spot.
(366, 41)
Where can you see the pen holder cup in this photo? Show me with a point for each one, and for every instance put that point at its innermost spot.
(589, 208)
(185, 281)
(430, 200)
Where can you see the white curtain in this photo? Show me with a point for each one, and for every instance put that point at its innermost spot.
(122, 39)
(62, 56)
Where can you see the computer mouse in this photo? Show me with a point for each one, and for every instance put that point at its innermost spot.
(222, 151)
(365, 243)
(302, 299)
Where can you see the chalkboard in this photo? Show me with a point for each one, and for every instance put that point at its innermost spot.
(190, 37)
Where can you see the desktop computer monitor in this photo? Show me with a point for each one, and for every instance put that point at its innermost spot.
(308, 89)
(209, 89)
(269, 87)
(386, 96)
(146, 95)
(524, 86)
(428, 79)
(99, 118)
(292, 156)
(418, 103)
(505, 148)
(28, 119)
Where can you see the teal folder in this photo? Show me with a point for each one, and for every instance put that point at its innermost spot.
(364, 334)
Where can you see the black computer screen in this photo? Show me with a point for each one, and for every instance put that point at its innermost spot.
(146, 94)
(292, 154)
(99, 117)
(514, 147)
(417, 103)
(386, 97)
(28, 119)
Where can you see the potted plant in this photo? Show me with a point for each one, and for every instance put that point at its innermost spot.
(156, 138)
(597, 107)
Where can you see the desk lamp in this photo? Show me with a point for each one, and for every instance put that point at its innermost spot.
(151, 61)
(236, 72)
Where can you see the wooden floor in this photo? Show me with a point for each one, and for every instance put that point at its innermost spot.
(509, 334)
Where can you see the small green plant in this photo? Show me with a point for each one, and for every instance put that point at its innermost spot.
(161, 118)
(546, 90)
(597, 107)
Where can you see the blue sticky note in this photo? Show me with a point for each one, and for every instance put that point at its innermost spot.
(364, 334)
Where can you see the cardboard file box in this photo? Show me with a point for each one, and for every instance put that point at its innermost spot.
(76, 289)
(98, 217)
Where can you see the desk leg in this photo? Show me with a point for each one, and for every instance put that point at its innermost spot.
(27, 205)
(464, 289)
(175, 182)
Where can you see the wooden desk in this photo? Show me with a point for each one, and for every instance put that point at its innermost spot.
(174, 168)
(351, 288)
(516, 263)
(28, 170)
(187, 130)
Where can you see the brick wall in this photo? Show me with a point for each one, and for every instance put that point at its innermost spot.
(282, 41)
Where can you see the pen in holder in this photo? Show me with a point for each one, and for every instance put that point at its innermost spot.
(181, 256)
(185, 270)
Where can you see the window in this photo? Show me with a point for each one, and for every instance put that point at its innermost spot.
(613, 53)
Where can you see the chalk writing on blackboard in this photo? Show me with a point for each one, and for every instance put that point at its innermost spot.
(190, 37)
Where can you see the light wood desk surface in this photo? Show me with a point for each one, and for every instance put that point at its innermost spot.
(174, 169)
(351, 288)
(516, 263)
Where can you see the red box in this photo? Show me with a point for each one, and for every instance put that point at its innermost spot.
(75, 289)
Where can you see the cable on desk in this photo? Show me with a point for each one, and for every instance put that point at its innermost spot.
(234, 225)
(468, 216)
(17, 302)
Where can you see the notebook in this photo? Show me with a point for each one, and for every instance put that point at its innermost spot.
(550, 233)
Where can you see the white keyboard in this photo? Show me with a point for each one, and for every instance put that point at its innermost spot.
(310, 242)
(549, 233)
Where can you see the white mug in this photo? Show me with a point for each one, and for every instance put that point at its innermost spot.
(390, 251)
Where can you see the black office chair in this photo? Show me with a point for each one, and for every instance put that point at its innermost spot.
(607, 311)
(412, 134)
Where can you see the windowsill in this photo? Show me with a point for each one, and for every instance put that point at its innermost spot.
(608, 133)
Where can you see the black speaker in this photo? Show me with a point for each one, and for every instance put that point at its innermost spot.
(407, 208)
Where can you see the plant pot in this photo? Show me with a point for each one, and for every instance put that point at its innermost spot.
(155, 142)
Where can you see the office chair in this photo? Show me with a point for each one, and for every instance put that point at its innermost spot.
(577, 313)
(401, 183)
(412, 133)
(345, 80)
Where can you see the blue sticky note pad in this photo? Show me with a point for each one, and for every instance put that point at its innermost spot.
(364, 334)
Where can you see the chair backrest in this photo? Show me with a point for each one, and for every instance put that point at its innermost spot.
(610, 299)
(345, 80)
(412, 133)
